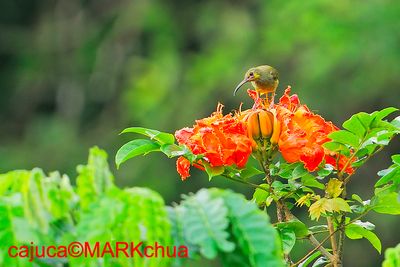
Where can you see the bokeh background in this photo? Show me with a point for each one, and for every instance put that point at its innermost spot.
(74, 73)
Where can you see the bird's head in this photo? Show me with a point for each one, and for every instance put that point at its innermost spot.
(263, 75)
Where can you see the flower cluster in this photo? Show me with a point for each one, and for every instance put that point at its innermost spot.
(229, 140)
(221, 140)
(303, 133)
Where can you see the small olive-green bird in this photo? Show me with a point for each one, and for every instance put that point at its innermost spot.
(264, 79)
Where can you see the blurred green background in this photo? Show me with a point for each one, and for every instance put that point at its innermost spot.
(73, 74)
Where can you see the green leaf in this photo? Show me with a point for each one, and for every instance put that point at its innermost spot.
(213, 171)
(396, 159)
(261, 195)
(354, 231)
(299, 171)
(311, 181)
(391, 174)
(255, 235)
(173, 150)
(206, 224)
(379, 115)
(288, 238)
(366, 225)
(325, 171)
(298, 227)
(357, 198)
(345, 137)
(337, 147)
(392, 257)
(396, 122)
(249, 172)
(355, 125)
(365, 119)
(135, 148)
(386, 202)
(95, 178)
(161, 137)
(310, 259)
(320, 227)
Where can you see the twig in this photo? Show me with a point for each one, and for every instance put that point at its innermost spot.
(333, 240)
(318, 246)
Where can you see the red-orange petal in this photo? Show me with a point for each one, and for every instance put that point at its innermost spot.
(182, 167)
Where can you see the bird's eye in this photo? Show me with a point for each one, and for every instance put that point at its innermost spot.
(251, 74)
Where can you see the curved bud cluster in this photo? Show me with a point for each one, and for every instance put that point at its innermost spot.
(262, 128)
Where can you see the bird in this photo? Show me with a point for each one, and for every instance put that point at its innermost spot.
(264, 78)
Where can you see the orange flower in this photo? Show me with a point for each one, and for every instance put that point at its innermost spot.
(303, 133)
(220, 139)
(182, 166)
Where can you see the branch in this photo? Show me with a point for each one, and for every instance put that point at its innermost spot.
(318, 246)
(333, 241)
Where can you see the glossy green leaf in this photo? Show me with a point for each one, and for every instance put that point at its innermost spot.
(260, 195)
(311, 181)
(298, 227)
(396, 122)
(381, 114)
(337, 147)
(345, 137)
(250, 171)
(323, 172)
(299, 171)
(357, 198)
(390, 175)
(135, 148)
(386, 202)
(366, 225)
(173, 150)
(355, 125)
(396, 159)
(161, 137)
(354, 231)
(288, 238)
(213, 171)
(310, 259)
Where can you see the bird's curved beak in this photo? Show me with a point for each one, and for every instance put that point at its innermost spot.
(240, 85)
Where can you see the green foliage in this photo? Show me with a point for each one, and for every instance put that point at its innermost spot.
(206, 224)
(386, 201)
(391, 174)
(359, 230)
(364, 135)
(159, 141)
(47, 210)
(160, 137)
(392, 257)
(222, 222)
(135, 148)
